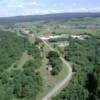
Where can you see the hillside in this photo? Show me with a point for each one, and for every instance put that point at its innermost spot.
(59, 16)
(18, 79)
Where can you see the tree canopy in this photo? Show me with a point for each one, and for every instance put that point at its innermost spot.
(85, 58)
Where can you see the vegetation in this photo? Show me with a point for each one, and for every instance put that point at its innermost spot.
(56, 27)
(11, 48)
(85, 56)
(50, 80)
(23, 65)
(55, 62)
(18, 83)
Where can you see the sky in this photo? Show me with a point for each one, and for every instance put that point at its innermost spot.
(38, 7)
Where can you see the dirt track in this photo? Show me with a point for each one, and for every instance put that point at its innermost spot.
(64, 81)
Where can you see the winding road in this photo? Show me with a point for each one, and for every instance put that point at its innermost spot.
(64, 81)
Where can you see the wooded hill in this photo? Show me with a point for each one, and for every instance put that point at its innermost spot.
(58, 16)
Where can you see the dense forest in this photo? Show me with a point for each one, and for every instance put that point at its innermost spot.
(85, 58)
(19, 84)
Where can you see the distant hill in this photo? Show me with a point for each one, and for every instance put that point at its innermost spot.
(58, 16)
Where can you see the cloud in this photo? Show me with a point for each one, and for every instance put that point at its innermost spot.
(28, 7)
(34, 3)
(96, 9)
(20, 6)
(78, 10)
(25, 7)
(56, 11)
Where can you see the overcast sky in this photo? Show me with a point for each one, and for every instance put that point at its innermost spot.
(34, 7)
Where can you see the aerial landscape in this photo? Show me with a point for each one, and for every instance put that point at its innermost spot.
(49, 54)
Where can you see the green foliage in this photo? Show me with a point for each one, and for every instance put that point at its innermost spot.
(11, 48)
(27, 84)
(55, 62)
(85, 56)
(35, 52)
(5, 92)
(20, 84)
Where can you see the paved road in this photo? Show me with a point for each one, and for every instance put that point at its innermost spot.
(63, 82)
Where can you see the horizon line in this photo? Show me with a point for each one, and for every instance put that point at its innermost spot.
(22, 15)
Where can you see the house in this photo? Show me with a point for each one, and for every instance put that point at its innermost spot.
(49, 68)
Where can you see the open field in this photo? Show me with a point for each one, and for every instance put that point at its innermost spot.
(71, 26)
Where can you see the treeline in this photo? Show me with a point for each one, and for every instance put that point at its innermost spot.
(24, 83)
(85, 56)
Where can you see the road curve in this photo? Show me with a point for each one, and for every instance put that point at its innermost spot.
(63, 82)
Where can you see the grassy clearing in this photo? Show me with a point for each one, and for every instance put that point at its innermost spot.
(25, 57)
(49, 81)
(60, 44)
(31, 39)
